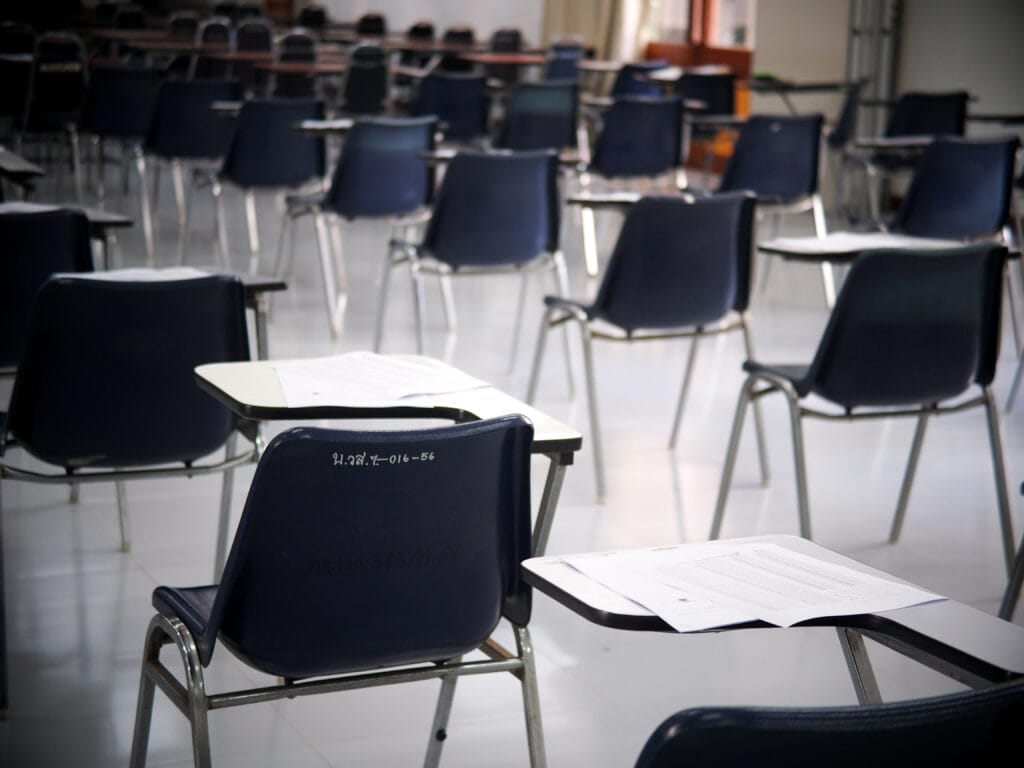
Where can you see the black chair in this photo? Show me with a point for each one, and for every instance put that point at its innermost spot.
(680, 269)
(372, 25)
(294, 45)
(213, 30)
(129, 16)
(184, 132)
(381, 174)
(563, 60)
(18, 40)
(715, 93)
(106, 391)
(227, 9)
(912, 332)
(631, 79)
(252, 33)
(459, 35)
(365, 91)
(118, 108)
(183, 25)
(416, 536)
(505, 40)
(297, 160)
(55, 101)
(542, 115)
(976, 727)
(777, 158)
(418, 32)
(494, 212)
(638, 145)
(914, 113)
(17, 37)
(312, 17)
(35, 245)
(460, 102)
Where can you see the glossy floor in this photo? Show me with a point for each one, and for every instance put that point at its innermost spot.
(78, 607)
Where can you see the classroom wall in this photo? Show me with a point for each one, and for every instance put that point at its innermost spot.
(483, 15)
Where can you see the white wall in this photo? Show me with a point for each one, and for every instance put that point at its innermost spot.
(483, 15)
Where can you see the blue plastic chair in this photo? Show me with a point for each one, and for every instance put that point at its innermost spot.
(381, 174)
(680, 269)
(911, 334)
(35, 245)
(184, 132)
(416, 536)
(460, 102)
(976, 727)
(365, 91)
(638, 145)
(213, 30)
(777, 158)
(267, 154)
(493, 212)
(507, 40)
(297, 44)
(541, 115)
(563, 60)
(106, 390)
(631, 79)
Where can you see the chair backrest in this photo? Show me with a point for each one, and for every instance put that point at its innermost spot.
(975, 727)
(640, 136)
(58, 82)
(184, 126)
(107, 378)
(215, 30)
(679, 262)
(358, 550)
(226, 8)
(631, 79)
(459, 100)
(563, 60)
(313, 16)
(507, 40)
(540, 115)
(371, 24)
(35, 245)
(420, 30)
(846, 124)
(457, 35)
(254, 34)
(381, 170)
(249, 9)
(119, 101)
(16, 70)
(942, 114)
(961, 189)
(495, 209)
(912, 327)
(267, 151)
(775, 157)
(183, 25)
(366, 81)
(296, 45)
(717, 90)
(129, 17)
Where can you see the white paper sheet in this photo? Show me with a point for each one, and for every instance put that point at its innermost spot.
(366, 379)
(702, 586)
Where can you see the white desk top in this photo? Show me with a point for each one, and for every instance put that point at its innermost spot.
(252, 390)
(850, 244)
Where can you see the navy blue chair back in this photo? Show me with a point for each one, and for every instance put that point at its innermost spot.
(119, 102)
(457, 35)
(505, 40)
(381, 170)
(640, 136)
(183, 25)
(563, 61)
(267, 151)
(679, 262)
(918, 113)
(371, 24)
(366, 81)
(976, 727)
(495, 208)
(214, 30)
(459, 100)
(184, 126)
(911, 328)
(107, 378)
(297, 45)
(716, 90)
(961, 189)
(58, 83)
(775, 157)
(630, 80)
(254, 34)
(35, 245)
(540, 115)
(357, 550)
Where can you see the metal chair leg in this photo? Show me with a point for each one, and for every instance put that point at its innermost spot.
(222, 228)
(999, 471)
(799, 464)
(538, 357)
(531, 699)
(224, 519)
(253, 229)
(438, 729)
(451, 318)
(1016, 384)
(382, 300)
(562, 285)
(1013, 586)
(595, 427)
(828, 283)
(76, 164)
(862, 674)
(730, 457)
(122, 513)
(517, 326)
(908, 478)
(334, 300)
(589, 227)
(419, 301)
(759, 432)
(283, 260)
(147, 209)
(178, 180)
(691, 357)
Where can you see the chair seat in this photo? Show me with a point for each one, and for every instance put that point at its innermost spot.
(193, 605)
(793, 373)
